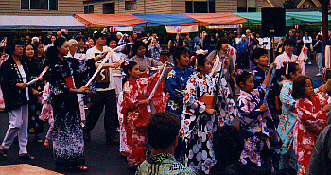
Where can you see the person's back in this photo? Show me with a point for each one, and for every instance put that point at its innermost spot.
(163, 132)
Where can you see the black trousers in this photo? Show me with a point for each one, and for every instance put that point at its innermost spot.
(100, 100)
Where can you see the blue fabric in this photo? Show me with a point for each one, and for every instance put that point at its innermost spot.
(164, 19)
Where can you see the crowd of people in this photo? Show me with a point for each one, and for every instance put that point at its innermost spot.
(175, 114)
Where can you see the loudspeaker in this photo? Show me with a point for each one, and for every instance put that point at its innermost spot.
(273, 19)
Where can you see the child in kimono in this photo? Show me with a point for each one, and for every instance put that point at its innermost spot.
(287, 119)
(320, 92)
(175, 84)
(134, 107)
(200, 119)
(311, 120)
(256, 123)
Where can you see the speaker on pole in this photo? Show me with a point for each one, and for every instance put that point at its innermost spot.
(273, 21)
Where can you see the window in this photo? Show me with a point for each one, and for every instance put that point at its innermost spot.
(200, 7)
(108, 8)
(130, 5)
(39, 4)
(246, 5)
(88, 9)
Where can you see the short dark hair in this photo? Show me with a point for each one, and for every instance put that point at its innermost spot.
(289, 42)
(243, 77)
(162, 129)
(228, 144)
(178, 52)
(220, 42)
(257, 53)
(10, 48)
(80, 37)
(299, 84)
(136, 45)
(201, 59)
(98, 34)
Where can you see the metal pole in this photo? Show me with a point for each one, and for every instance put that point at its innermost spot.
(207, 6)
(325, 4)
(192, 6)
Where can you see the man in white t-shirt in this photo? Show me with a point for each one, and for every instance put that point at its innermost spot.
(105, 92)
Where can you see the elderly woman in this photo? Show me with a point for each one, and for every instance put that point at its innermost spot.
(14, 76)
(139, 50)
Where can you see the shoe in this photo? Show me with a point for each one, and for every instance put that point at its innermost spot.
(86, 135)
(309, 62)
(85, 107)
(318, 75)
(26, 156)
(82, 168)
(4, 153)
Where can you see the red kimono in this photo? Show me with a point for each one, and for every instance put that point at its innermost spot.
(311, 120)
(135, 116)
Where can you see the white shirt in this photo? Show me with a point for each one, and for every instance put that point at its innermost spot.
(79, 56)
(236, 40)
(105, 75)
(284, 57)
(22, 72)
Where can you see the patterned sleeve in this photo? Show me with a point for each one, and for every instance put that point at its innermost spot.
(172, 87)
(226, 107)
(56, 76)
(248, 112)
(193, 105)
(129, 102)
(314, 122)
(287, 99)
(156, 63)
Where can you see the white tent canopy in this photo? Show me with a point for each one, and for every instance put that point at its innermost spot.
(39, 22)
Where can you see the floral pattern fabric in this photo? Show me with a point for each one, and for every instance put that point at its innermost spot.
(311, 122)
(135, 117)
(198, 127)
(175, 85)
(68, 143)
(258, 128)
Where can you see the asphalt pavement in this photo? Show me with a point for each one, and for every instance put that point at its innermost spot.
(100, 158)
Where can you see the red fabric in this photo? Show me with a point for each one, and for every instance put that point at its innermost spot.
(106, 20)
(136, 116)
(216, 18)
(70, 82)
(311, 121)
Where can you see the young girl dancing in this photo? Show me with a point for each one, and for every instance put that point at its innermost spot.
(256, 123)
(200, 119)
(311, 120)
(287, 119)
(133, 106)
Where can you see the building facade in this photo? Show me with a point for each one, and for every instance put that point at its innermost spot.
(170, 6)
(41, 7)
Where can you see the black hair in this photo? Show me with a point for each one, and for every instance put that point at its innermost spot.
(289, 42)
(201, 59)
(97, 35)
(24, 51)
(10, 48)
(162, 129)
(291, 67)
(2, 48)
(220, 42)
(178, 52)
(298, 87)
(128, 65)
(35, 46)
(136, 45)
(52, 52)
(243, 77)
(80, 37)
(257, 53)
(228, 144)
(111, 38)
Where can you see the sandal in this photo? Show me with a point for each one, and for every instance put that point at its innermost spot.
(38, 139)
(82, 168)
(46, 142)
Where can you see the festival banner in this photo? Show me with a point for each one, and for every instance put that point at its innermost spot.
(181, 29)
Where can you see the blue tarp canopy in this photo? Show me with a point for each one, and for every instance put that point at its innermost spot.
(159, 19)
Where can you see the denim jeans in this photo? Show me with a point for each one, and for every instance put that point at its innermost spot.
(319, 59)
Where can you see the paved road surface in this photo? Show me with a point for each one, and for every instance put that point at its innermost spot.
(100, 158)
